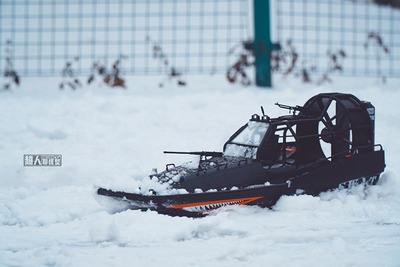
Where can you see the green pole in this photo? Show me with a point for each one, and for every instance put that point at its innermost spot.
(262, 42)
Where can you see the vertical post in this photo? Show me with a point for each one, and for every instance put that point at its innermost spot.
(262, 42)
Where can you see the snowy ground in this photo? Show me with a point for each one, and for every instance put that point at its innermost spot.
(52, 217)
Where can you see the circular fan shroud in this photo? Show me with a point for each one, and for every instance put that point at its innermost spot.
(340, 121)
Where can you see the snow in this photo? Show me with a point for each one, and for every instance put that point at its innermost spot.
(51, 216)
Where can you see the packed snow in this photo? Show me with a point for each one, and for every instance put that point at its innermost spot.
(51, 216)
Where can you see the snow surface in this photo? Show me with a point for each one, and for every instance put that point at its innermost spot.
(51, 216)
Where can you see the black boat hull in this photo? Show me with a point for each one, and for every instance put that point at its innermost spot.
(341, 174)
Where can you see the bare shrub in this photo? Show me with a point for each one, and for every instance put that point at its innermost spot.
(237, 72)
(112, 77)
(376, 40)
(10, 74)
(171, 71)
(286, 61)
(335, 64)
(69, 77)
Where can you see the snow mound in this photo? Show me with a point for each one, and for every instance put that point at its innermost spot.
(51, 216)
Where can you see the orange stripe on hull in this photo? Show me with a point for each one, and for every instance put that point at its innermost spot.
(222, 202)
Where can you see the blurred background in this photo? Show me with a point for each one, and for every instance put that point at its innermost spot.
(304, 38)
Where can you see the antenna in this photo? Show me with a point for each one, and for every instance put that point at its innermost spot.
(264, 117)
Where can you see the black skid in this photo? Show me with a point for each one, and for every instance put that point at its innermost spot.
(199, 204)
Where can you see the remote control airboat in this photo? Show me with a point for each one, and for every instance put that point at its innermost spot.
(327, 143)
